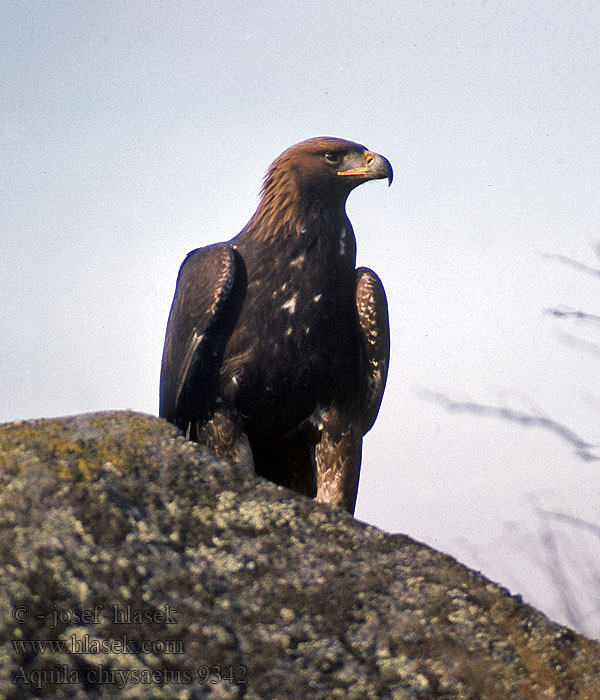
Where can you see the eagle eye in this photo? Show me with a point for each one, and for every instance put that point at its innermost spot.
(332, 157)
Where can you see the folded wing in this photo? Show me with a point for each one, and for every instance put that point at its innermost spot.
(208, 297)
(372, 309)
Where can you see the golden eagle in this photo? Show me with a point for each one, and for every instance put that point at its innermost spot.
(277, 347)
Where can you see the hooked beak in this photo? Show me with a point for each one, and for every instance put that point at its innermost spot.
(372, 167)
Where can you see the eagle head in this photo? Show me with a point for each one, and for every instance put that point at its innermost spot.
(328, 166)
(313, 176)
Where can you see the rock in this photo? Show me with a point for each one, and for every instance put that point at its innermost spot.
(135, 564)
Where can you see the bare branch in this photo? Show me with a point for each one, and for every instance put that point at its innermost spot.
(570, 520)
(582, 446)
(586, 345)
(566, 311)
(582, 267)
(554, 563)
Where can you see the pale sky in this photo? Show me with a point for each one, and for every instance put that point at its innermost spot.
(133, 132)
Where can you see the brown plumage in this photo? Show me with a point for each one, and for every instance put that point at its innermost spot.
(277, 348)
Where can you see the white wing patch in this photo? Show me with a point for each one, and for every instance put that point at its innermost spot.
(290, 304)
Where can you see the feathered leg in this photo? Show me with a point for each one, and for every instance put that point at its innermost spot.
(224, 435)
(337, 457)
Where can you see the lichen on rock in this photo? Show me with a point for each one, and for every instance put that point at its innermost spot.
(136, 564)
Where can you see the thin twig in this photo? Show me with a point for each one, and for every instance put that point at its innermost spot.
(582, 446)
(570, 520)
(582, 267)
(566, 311)
(581, 343)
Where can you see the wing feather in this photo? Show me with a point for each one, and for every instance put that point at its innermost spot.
(372, 309)
(208, 296)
